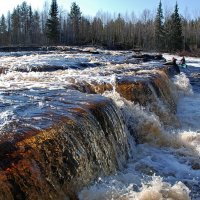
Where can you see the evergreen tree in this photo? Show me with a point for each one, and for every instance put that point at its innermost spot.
(53, 24)
(36, 34)
(75, 19)
(30, 26)
(3, 26)
(15, 26)
(3, 30)
(24, 23)
(8, 19)
(174, 31)
(159, 29)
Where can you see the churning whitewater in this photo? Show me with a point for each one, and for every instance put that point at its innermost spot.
(163, 145)
(161, 167)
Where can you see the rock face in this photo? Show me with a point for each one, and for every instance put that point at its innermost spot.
(53, 150)
(75, 148)
(150, 87)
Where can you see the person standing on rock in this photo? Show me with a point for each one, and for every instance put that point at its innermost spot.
(173, 62)
(175, 65)
(182, 62)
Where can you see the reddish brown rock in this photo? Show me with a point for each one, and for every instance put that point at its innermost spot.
(149, 87)
(72, 151)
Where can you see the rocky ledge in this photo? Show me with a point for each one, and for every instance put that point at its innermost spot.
(61, 140)
(84, 138)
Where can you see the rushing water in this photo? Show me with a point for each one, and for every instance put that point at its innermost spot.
(164, 164)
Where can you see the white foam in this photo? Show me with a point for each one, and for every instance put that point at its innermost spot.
(168, 154)
(5, 118)
(155, 189)
(183, 83)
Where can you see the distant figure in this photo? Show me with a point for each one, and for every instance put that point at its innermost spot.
(175, 65)
(173, 62)
(182, 62)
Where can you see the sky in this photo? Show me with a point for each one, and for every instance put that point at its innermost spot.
(91, 7)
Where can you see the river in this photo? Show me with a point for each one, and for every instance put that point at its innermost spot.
(166, 165)
(163, 164)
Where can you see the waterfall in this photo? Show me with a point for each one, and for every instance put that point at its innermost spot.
(100, 126)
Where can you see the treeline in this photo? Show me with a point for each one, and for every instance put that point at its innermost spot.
(163, 32)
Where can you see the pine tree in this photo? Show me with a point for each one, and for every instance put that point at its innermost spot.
(177, 30)
(8, 20)
(174, 31)
(75, 19)
(36, 34)
(159, 28)
(53, 24)
(30, 26)
(15, 26)
(3, 31)
(24, 23)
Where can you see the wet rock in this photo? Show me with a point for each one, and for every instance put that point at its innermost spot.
(52, 68)
(152, 91)
(3, 70)
(148, 57)
(149, 87)
(196, 166)
(83, 139)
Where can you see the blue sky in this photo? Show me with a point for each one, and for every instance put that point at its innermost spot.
(91, 7)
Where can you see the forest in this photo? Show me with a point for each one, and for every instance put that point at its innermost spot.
(163, 30)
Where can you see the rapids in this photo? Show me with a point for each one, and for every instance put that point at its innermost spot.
(128, 130)
(166, 165)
